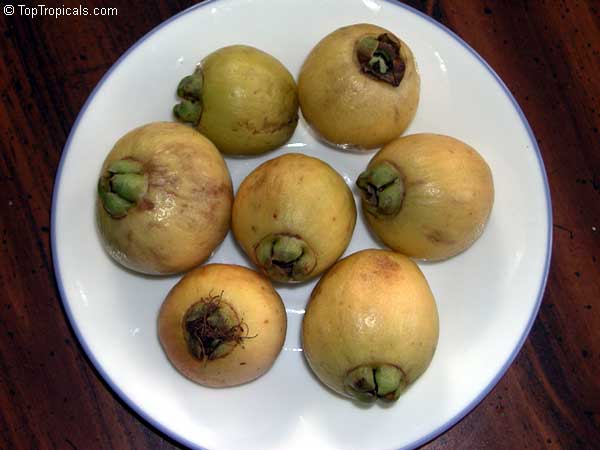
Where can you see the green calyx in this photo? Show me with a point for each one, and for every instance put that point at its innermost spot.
(285, 258)
(212, 329)
(122, 186)
(369, 382)
(188, 111)
(380, 57)
(382, 189)
(190, 90)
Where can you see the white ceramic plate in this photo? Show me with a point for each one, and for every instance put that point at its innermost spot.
(487, 297)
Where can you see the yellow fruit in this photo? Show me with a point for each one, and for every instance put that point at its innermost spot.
(371, 325)
(164, 199)
(294, 217)
(427, 196)
(243, 99)
(359, 87)
(222, 325)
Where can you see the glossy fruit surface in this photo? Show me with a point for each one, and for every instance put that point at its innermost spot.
(222, 325)
(427, 196)
(164, 199)
(294, 217)
(371, 325)
(359, 87)
(243, 99)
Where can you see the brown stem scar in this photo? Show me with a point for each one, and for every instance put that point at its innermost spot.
(380, 58)
(212, 328)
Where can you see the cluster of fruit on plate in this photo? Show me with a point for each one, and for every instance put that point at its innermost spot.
(165, 202)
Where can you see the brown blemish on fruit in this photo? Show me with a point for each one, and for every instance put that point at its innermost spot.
(258, 181)
(386, 266)
(145, 204)
(413, 183)
(267, 126)
(438, 237)
(157, 255)
(213, 190)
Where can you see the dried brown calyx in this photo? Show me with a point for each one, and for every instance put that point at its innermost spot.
(380, 57)
(212, 328)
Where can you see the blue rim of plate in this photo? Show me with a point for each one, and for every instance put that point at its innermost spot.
(433, 434)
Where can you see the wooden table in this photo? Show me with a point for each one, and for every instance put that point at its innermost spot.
(548, 54)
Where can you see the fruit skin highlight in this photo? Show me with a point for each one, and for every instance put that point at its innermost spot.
(252, 306)
(181, 209)
(371, 326)
(433, 198)
(243, 99)
(294, 217)
(349, 107)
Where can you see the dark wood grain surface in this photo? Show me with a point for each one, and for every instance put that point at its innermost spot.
(547, 53)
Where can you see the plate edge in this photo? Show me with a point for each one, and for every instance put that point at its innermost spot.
(430, 436)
